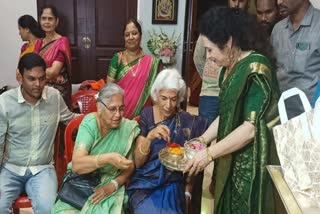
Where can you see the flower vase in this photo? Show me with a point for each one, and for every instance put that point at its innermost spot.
(167, 60)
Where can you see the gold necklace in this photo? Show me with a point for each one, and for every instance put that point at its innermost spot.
(130, 57)
(137, 55)
(134, 73)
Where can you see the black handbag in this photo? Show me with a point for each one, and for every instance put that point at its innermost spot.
(76, 189)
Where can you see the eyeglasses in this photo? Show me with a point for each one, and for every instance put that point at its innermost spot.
(114, 109)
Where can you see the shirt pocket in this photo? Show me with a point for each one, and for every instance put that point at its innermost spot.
(49, 121)
(302, 54)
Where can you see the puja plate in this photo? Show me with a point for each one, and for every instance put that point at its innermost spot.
(170, 161)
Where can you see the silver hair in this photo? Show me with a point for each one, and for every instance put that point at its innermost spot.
(169, 79)
(107, 92)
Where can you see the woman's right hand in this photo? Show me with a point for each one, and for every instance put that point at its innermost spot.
(161, 131)
(102, 192)
(119, 161)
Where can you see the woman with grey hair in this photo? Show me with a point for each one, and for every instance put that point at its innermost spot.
(104, 143)
(153, 188)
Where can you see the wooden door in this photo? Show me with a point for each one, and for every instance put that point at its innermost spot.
(190, 73)
(194, 10)
(95, 32)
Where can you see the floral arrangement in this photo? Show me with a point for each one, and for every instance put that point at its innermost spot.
(161, 45)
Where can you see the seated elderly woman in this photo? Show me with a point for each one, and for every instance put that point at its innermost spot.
(104, 143)
(153, 188)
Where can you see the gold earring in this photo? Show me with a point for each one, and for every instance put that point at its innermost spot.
(230, 56)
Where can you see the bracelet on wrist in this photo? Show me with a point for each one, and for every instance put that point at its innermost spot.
(188, 194)
(209, 157)
(115, 183)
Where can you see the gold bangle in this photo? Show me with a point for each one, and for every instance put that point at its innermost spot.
(209, 157)
(143, 153)
(97, 161)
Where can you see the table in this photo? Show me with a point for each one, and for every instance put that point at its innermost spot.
(285, 193)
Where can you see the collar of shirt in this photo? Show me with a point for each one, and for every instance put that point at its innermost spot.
(307, 19)
(22, 100)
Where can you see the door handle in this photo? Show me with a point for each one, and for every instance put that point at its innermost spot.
(86, 41)
(191, 46)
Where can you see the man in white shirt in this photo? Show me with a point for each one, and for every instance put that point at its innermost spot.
(29, 118)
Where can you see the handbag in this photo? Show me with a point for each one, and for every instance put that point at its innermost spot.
(298, 147)
(76, 189)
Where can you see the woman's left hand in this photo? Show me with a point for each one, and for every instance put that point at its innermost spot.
(102, 192)
(197, 163)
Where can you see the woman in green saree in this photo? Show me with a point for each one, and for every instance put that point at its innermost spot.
(241, 138)
(104, 142)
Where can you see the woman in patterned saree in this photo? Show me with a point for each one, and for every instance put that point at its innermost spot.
(55, 50)
(153, 188)
(133, 70)
(248, 96)
(104, 143)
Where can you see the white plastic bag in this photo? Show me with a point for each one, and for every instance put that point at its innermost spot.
(298, 146)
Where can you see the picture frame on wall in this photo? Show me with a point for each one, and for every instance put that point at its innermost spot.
(164, 11)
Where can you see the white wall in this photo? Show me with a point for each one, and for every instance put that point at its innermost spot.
(145, 19)
(10, 41)
(316, 3)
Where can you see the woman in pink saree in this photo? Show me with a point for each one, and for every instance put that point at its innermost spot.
(134, 71)
(55, 50)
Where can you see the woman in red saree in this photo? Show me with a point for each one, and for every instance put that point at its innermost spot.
(55, 50)
(134, 71)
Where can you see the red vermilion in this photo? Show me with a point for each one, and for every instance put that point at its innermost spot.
(173, 145)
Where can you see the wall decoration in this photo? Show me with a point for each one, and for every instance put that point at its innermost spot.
(164, 11)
